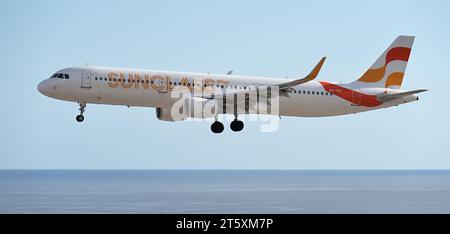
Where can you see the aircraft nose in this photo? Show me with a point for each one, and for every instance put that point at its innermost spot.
(43, 87)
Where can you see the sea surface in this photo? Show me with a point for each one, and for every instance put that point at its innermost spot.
(224, 191)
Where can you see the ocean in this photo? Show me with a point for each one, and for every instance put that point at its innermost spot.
(224, 191)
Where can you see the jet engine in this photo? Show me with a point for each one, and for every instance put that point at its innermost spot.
(191, 107)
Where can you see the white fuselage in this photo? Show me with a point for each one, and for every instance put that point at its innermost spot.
(147, 88)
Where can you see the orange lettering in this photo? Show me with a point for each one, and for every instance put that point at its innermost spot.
(137, 80)
(123, 81)
(209, 86)
(185, 82)
(113, 81)
(146, 81)
(168, 81)
(160, 86)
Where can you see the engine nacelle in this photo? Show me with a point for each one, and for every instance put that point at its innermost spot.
(164, 114)
(191, 107)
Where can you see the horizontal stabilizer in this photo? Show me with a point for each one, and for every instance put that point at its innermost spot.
(389, 97)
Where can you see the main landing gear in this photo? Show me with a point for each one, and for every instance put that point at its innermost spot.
(236, 126)
(80, 117)
(217, 127)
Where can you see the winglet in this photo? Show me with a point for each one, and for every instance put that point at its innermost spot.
(316, 69)
(311, 76)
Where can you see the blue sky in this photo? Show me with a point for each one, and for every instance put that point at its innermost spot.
(265, 38)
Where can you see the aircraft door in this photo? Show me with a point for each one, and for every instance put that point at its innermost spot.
(86, 76)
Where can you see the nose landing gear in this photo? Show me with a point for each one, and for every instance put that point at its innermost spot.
(80, 117)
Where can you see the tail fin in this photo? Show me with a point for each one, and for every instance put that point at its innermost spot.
(389, 69)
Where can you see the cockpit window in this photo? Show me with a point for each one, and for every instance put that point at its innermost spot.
(60, 76)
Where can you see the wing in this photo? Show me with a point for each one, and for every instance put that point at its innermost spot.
(253, 92)
(283, 87)
(311, 76)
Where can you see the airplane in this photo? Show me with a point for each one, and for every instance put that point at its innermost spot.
(379, 87)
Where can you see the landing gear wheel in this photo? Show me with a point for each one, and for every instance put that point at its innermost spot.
(237, 125)
(80, 118)
(217, 127)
